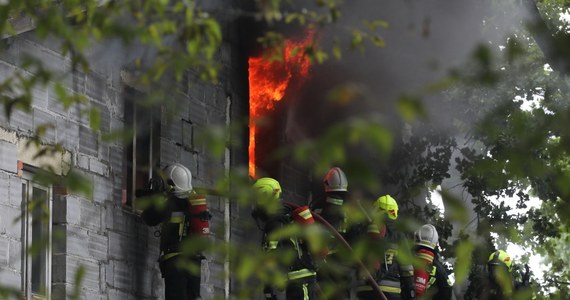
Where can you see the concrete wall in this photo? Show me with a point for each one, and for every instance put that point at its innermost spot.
(117, 250)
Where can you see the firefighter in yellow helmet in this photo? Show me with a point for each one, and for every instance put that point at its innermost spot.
(270, 215)
(505, 278)
(395, 278)
(500, 280)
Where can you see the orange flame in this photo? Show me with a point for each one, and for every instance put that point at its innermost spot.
(268, 82)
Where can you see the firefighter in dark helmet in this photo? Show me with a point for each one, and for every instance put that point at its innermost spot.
(394, 277)
(334, 271)
(271, 214)
(183, 216)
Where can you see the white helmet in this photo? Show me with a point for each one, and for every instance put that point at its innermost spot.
(335, 180)
(427, 236)
(179, 180)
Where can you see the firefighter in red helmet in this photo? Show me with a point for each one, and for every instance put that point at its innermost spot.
(183, 216)
(336, 192)
(334, 271)
(271, 214)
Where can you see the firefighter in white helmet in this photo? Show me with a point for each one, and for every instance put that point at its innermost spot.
(431, 278)
(298, 276)
(184, 216)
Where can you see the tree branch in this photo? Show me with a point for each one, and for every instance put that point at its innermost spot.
(555, 45)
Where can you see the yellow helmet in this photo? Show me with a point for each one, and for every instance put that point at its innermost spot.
(267, 189)
(388, 204)
(500, 257)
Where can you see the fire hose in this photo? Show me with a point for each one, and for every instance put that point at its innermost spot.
(368, 277)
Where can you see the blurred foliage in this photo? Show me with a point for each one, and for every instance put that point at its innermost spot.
(517, 108)
(508, 105)
(184, 40)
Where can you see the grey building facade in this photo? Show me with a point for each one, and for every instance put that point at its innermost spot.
(101, 233)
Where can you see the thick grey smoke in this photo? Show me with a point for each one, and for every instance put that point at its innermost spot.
(424, 41)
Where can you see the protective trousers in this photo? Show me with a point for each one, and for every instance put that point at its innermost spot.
(369, 294)
(334, 278)
(180, 283)
(302, 289)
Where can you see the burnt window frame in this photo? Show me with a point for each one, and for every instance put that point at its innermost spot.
(141, 157)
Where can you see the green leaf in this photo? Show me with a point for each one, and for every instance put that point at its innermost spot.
(410, 108)
(513, 50)
(94, 119)
(321, 56)
(214, 138)
(381, 138)
(374, 25)
(463, 252)
(246, 267)
(78, 280)
(356, 40)
(214, 31)
(335, 14)
(154, 34)
(42, 129)
(483, 55)
(337, 52)
(78, 183)
(456, 208)
(378, 41)
(192, 46)
(63, 96)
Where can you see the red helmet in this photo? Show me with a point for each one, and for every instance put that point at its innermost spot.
(335, 181)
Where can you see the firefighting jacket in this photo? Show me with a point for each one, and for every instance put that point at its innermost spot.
(439, 281)
(437, 285)
(392, 275)
(302, 265)
(493, 291)
(174, 219)
(519, 281)
(301, 269)
(331, 210)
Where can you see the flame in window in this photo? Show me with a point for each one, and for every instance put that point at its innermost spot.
(269, 79)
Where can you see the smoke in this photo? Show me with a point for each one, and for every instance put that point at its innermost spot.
(424, 41)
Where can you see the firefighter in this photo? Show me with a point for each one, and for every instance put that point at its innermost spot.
(183, 215)
(334, 272)
(431, 279)
(394, 277)
(500, 281)
(270, 215)
(336, 191)
(504, 277)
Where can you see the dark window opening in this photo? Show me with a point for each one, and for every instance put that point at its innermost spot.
(143, 149)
